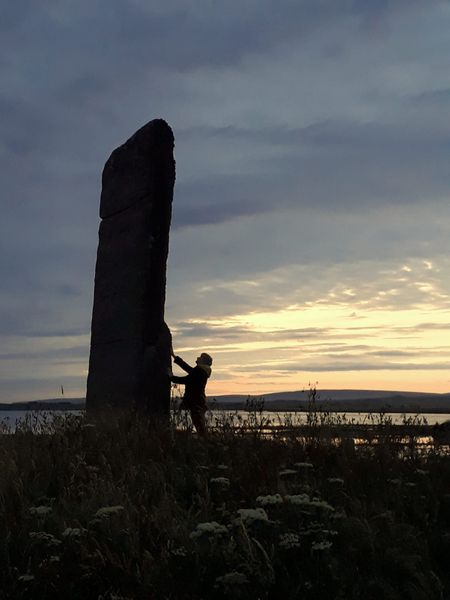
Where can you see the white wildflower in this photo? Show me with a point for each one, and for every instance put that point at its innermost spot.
(304, 465)
(40, 510)
(233, 578)
(107, 511)
(43, 536)
(289, 540)
(321, 504)
(395, 481)
(305, 501)
(220, 481)
(250, 515)
(209, 528)
(54, 559)
(335, 480)
(222, 467)
(287, 473)
(339, 515)
(88, 426)
(179, 551)
(321, 546)
(74, 531)
(410, 484)
(269, 500)
(297, 499)
(421, 472)
(26, 578)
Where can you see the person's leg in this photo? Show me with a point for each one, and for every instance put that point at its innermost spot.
(199, 421)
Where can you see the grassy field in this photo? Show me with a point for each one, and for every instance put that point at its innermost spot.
(123, 508)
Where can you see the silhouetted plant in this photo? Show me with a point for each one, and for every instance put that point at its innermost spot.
(122, 507)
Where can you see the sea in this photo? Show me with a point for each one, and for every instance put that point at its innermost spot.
(10, 419)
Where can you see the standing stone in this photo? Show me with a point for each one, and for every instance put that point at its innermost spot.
(130, 342)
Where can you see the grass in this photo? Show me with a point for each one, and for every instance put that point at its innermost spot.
(127, 508)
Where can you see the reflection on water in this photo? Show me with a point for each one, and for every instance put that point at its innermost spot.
(360, 429)
(294, 418)
(9, 419)
(291, 418)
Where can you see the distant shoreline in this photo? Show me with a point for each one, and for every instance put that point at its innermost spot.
(397, 405)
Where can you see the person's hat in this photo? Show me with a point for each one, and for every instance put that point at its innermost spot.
(205, 359)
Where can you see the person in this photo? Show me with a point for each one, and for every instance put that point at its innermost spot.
(194, 393)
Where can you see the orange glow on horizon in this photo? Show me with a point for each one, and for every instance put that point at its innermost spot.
(288, 349)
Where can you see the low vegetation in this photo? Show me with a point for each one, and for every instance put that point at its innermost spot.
(124, 508)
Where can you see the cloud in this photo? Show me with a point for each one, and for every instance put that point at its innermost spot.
(336, 165)
(69, 354)
(311, 146)
(330, 367)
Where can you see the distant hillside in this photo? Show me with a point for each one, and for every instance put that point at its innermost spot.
(47, 404)
(348, 400)
(333, 395)
(339, 400)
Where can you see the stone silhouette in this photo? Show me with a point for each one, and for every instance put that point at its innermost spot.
(130, 342)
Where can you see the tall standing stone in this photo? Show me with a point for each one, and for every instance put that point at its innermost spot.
(130, 342)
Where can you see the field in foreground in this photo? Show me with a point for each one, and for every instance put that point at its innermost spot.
(127, 509)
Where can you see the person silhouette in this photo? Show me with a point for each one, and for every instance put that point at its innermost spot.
(195, 382)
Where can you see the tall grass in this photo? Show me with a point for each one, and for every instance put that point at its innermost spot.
(129, 508)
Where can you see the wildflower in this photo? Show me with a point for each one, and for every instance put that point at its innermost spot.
(305, 501)
(233, 578)
(40, 511)
(410, 484)
(339, 515)
(46, 538)
(88, 426)
(289, 540)
(220, 481)
(202, 468)
(26, 578)
(54, 559)
(107, 511)
(269, 500)
(250, 515)
(321, 504)
(92, 468)
(209, 528)
(222, 467)
(395, 481)
(304, 465)
(287, 472)
(421, 472)
(298, 499)
(182, 552)
(335, 480)
(74, 532)
(321, 546)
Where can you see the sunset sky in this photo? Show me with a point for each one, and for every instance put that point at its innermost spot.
(311, 217)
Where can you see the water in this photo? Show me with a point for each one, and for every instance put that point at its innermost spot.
(360, 418)
(11, 417)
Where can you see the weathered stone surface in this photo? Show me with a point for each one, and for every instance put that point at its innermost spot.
(130, 342)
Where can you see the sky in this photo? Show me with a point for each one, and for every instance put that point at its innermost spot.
(311, 216)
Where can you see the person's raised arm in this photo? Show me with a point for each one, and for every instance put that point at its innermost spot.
(180, 362)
